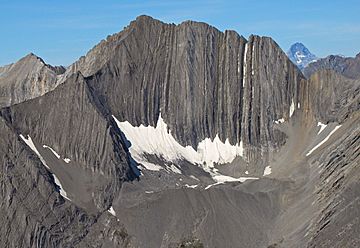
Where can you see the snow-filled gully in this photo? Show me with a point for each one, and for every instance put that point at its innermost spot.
(31, 144)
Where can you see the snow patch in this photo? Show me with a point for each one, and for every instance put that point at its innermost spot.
(252, 60)
(298, 105)
(53, 151)
(191, 186)
(112, 211)
(247, 172)
(149, 192)
(224, 179)
(209, 186)
(322, 127)
(324, 140)
(244, 64)
(292, 108)
(221, 179)
(31, 144)
(280, 121)
(62, 191)
(267, 170)
(160, 142)
(66, 160)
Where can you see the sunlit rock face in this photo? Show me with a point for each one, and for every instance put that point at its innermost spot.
(26, 79)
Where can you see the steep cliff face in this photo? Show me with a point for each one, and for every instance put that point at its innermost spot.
(204, 82)
(28, 78)
(330, 97)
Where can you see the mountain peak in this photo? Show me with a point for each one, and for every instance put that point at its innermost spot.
(33, 57)
(300, 55)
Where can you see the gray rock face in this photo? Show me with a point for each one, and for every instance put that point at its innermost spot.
(333, 97)
(52, 120)
(28, 78)
(32, 213)
(204, 83)
(201, 80)
(346, 66)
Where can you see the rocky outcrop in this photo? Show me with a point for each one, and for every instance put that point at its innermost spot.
(346, 66)
(28, 78)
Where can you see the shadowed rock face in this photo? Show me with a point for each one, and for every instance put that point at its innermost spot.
(69, 120)
(197, 78)
(346, 66)
(204, 83)
(28, 78)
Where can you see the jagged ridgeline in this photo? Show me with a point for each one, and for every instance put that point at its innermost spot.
(169, 135)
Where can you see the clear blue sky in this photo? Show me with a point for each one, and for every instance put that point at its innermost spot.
(62, 31)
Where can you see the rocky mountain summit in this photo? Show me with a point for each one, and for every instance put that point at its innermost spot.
(300, 55)
(168, 135)
(28, 78)
(346, 66)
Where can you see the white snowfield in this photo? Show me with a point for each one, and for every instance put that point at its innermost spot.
(66, 160)
(62, 191)
(292, 108)
(53, 151)
(280, 121)
(31, 144)
(159, 141)
(267, 171)
(221, 179)
(324, 140)
(191, 186)
(322, 127)
(112, 211)
(244, 65)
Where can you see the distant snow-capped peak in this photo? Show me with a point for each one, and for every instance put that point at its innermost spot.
(300, 55)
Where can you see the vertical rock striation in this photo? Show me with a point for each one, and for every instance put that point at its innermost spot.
(202, 81)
